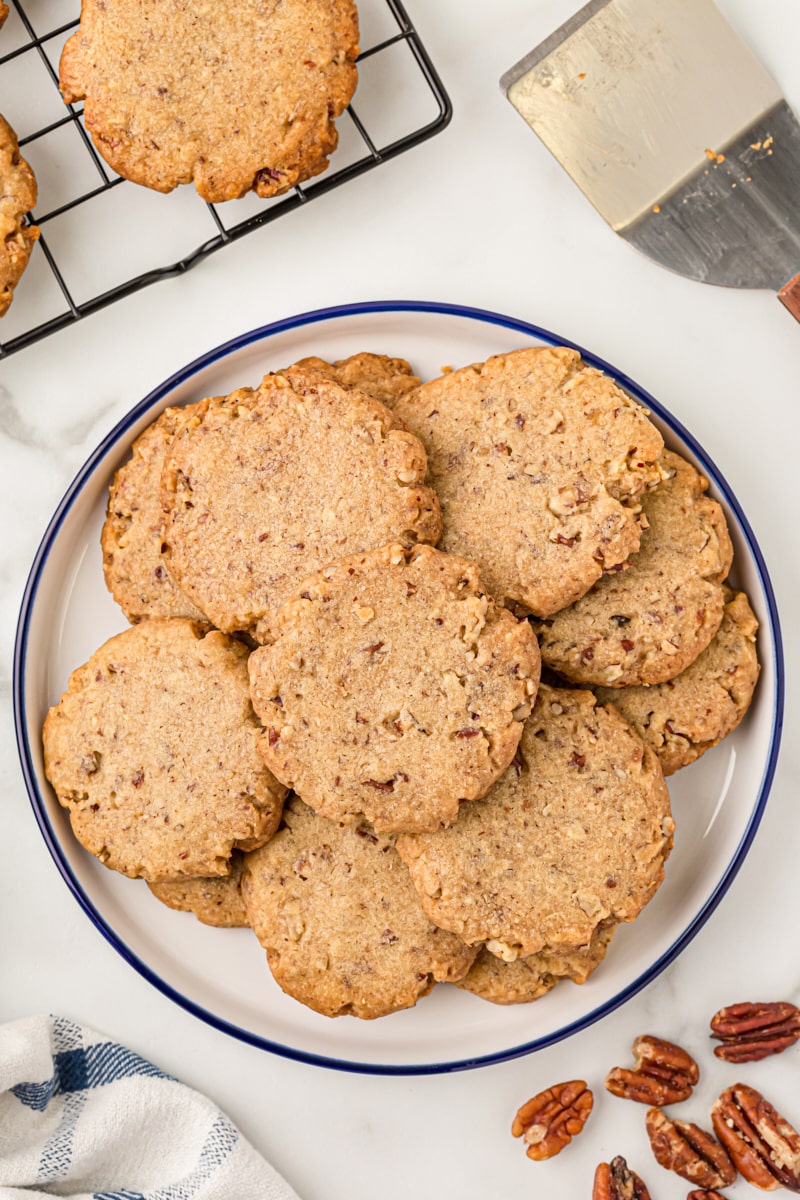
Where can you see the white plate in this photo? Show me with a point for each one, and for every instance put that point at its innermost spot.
(67, 613)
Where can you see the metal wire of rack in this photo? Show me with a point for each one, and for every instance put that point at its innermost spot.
(366, 150)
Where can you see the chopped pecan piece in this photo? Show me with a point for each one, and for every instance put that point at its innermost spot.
(750, 1031)
(763, 1145)
(551, 1119)
(663, 1073)
(689, 1151)
(615, 1181)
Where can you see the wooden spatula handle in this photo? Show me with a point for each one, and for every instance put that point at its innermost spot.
(790, 296)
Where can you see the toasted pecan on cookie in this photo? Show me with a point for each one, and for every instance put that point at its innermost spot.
(574, 835)
(152, 749)
(528, 979)
(133, 532)
(647, 623)
(689, 714)
(394, 688)
(340, 920)
(17, 197)
(262, 488)
(232, 97)
(538, 462)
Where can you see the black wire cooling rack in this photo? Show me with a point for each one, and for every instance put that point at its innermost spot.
(103, 238)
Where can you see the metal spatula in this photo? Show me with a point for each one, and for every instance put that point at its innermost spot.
(676, 134)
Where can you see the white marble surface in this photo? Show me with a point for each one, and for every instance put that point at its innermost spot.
(479, 215)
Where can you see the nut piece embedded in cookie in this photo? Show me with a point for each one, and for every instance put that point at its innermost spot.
(394, 688)
(649, 622)
(262, 488)
(663, 1073)
(342, 926)
(153, 749)
(17, 197)
(550, 1121)
(232, 97)
(573, 836)
(539, 462)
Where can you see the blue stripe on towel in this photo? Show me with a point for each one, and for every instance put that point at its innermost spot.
(80, 1070)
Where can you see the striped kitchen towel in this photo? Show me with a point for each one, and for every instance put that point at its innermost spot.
(83, 1116)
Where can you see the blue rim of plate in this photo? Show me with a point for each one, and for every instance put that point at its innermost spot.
(20, 658)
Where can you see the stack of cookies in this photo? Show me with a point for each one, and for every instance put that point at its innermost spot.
(326, 720)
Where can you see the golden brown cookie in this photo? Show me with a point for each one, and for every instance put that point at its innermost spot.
(135, 570)
(528, 979)
(17, 197)
(262, 488)
(342, 925)
(574, 836)
(538, 462)
(647, 623)
(3, 13)
(232, 97)
(686, 716)
(152, 748)
(213, 901)
(394, 688)
(383, 378)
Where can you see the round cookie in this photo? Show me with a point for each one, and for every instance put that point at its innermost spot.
(686, 716)
(538, 462)
(17, 197)
(153, 749)
(232, 97)
(383, 378)
(342, 925)
(574, 836)
(134, 567)
(646, 624)
(394, 688)
(528, 979)
(262, 488)
(213, 901)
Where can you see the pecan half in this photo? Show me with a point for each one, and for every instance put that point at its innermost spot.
(750, 1031)
(663, 1073)
(615, 1181)
(762, 1144)
(705, 1194)
(551, 1119)
(689, 1151)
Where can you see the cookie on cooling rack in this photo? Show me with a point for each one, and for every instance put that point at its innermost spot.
(382, 377)
(262, 488)
(152, 749)
(689, 714)
(135, 570)
(573, 836)
(528, 979)
(394, 688)
(232, 97)
(215, 901)
(3, 13)
(538, 462)
(647, 623)
(17, 197)
(341, 923)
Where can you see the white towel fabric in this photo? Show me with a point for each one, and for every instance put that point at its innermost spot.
(83, 1116)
